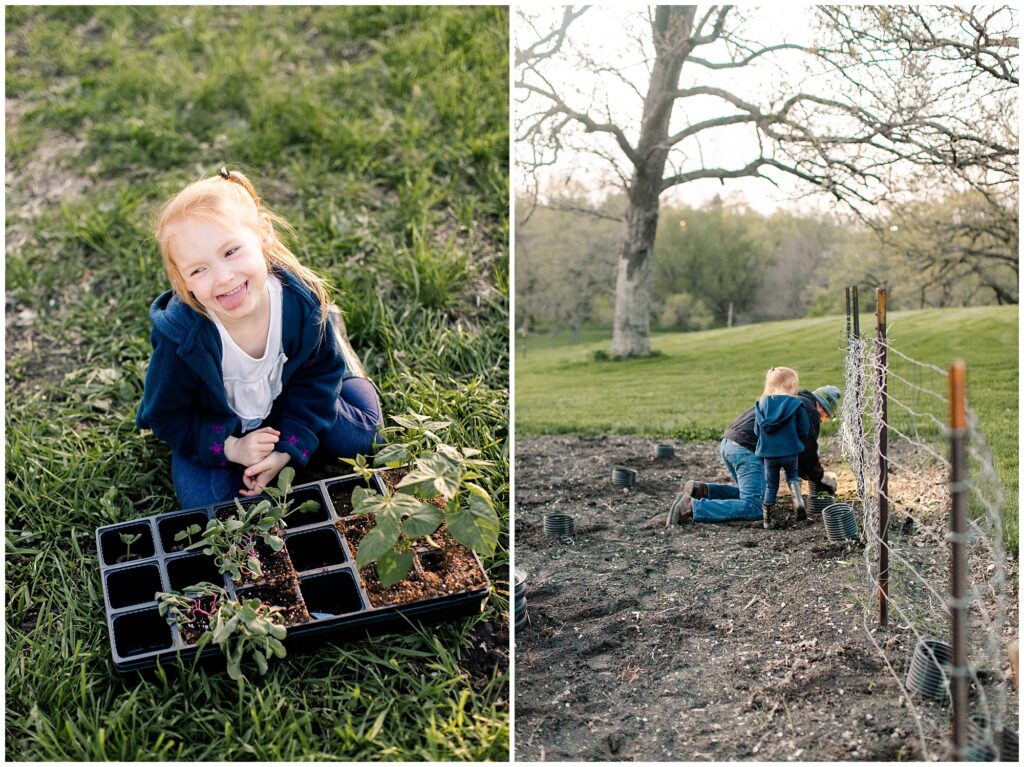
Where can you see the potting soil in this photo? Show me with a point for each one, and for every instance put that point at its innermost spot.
(458, 571)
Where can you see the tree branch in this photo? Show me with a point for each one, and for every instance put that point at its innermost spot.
(743, 62)
(555, 38)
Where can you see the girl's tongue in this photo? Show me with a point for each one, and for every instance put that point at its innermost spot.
(234, 299)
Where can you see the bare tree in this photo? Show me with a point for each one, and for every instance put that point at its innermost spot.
(851, 131)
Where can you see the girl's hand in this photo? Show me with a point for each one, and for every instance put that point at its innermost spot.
(253, 447)
(258, 476)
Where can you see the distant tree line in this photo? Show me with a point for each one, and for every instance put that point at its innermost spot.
(723, 263)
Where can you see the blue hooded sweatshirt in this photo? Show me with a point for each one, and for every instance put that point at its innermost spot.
(780, 423)
(185, 404)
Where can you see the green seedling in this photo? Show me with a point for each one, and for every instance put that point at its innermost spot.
(418, 434)
(361, 468)
(185, 606)
(238, 628)
(187, 534)
(232, 542)
(128, 539)
(403, 518)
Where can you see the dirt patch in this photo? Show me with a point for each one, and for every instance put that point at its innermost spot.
(707, 642)
(42, 181)
(486, 653)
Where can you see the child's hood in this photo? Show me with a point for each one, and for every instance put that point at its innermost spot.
(172, 317)
(773, 411)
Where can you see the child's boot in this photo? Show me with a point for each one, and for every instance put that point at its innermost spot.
(766, 515)
(798, 501)
(353, 365)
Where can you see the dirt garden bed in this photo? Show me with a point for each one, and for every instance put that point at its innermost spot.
(710, 642)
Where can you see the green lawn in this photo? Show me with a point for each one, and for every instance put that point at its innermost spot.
(381, 134)
(696, 383)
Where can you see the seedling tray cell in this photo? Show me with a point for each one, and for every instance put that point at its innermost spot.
(170, 525)
(114, 550)
(140, 633)
(315, 548)
(132, 585)
(190, 569)
(340, 492)
(332, 594)
(326, 584)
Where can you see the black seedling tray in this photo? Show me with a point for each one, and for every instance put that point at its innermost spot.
(140, 637)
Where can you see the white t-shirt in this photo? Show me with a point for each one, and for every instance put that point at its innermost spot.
(253, 384)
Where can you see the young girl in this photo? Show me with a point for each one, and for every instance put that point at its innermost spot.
(247, 373)
(780, 424)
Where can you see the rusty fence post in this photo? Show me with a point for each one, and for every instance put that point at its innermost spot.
(883, 464)
(958, 554)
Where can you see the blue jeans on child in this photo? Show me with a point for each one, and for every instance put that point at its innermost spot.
(787, 463)
(358, 422)
(740, 501)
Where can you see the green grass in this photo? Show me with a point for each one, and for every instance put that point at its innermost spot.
(381, 134)
(696, 383)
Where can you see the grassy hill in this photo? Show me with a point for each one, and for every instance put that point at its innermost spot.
(696, 383)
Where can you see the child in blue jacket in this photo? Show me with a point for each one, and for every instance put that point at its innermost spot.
(780, 424)
(247, 373)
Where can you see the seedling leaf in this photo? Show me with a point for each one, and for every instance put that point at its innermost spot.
(395, 454)
(475, 525)
(437, 474)
(393, 566)
(284, 479)
(378, 541)
(254, 567)
(424, 520)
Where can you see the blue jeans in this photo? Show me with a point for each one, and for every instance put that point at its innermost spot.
(740, 501)
(355, 428)
(787, 463)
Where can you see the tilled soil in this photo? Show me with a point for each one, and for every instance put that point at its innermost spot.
(705, 642)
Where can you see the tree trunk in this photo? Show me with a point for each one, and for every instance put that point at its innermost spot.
(632, 289)
(630, 335)
(728, 319)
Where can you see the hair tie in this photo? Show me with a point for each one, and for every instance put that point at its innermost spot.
(223, 172)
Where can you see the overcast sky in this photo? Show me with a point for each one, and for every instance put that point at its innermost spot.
(609, 36)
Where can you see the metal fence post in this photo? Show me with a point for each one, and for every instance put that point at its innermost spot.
(958, 553)
(883, 465)
(856, 312)
(847, 317)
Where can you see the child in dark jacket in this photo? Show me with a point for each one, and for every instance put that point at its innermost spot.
(248, 373)
(780, 424)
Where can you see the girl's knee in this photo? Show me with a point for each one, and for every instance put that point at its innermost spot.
(198, 485)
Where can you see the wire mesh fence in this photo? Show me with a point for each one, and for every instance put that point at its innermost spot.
(894, 433)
